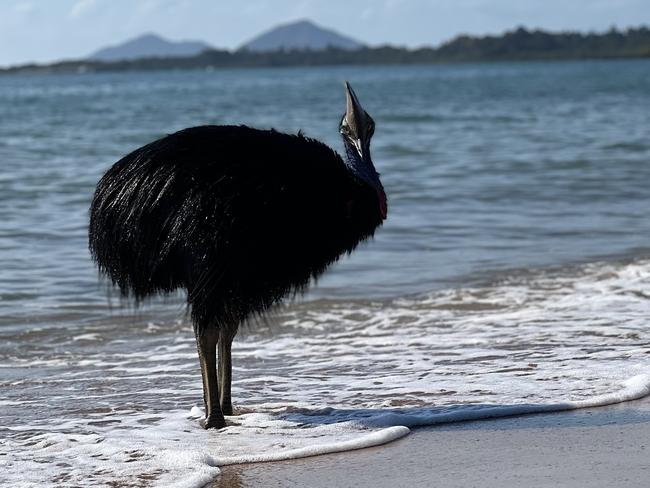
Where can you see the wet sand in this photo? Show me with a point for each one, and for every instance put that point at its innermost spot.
(606, 446)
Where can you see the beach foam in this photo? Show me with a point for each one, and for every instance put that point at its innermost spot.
(176, 452)
(113, 403)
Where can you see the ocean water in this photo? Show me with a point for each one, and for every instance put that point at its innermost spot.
(512, 276)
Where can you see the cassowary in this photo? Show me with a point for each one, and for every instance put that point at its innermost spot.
(238, 217)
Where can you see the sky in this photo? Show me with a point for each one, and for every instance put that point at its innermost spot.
(48, 30)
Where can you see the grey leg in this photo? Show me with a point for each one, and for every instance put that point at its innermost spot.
(225, 370)
(207, 346)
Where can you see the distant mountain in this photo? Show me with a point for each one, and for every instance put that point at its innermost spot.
(149, 46)
(304, 35)
(516, 45)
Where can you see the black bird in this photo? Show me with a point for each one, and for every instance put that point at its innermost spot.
(238, 217)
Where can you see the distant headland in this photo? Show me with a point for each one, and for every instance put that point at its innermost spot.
(304, 43)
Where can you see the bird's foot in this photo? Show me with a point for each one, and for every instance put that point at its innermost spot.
(213, 422)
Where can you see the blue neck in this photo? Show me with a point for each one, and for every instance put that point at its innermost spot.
(362, 169)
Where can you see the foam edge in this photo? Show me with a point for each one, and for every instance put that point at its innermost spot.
(378, 438)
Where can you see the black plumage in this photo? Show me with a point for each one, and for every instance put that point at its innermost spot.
(238, 217)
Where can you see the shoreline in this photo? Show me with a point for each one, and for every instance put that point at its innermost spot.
(602, 446)
(82, 68)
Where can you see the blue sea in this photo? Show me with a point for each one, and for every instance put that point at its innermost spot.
(512, 274)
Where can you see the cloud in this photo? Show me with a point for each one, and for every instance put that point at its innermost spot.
(149, 6)
(161, 6)
(81, 8)
(24, 7)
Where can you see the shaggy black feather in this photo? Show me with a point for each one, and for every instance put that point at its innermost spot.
(238, 217)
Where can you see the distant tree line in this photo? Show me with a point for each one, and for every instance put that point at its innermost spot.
(518, 45)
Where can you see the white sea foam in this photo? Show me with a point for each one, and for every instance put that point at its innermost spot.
(176, 452)
(329, 377)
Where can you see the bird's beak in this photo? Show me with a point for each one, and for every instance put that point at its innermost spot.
(354, 108)
(355, 116)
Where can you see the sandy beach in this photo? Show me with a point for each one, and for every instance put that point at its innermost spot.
(606, 446)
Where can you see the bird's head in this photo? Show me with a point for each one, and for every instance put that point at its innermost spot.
(357, 128)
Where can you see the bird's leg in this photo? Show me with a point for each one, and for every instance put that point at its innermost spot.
(206, 342)
(225, 369)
